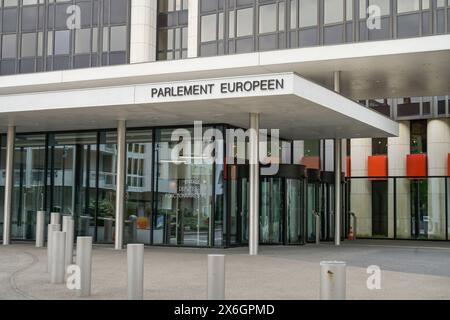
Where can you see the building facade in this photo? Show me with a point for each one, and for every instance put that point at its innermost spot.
(66, 154)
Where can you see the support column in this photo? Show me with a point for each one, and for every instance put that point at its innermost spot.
(193, 25)
(144, 17)
(120, 182)
(9, 175)
(253, 238)
(337, 173)
(337, 190)
(398, 149)
(438, 150)
(361, 189)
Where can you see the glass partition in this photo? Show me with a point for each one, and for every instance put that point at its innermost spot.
(73, 173)
(29, 184)
(372, 202)
(139, 189)
(184, 193)
(106, 198)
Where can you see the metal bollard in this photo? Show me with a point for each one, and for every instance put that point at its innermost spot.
(55, 218)
(40, 229)
(57, 266)
(318, 228)
(216, 277)
(51, 228)
(135, 258)
(333, 280)
(84, 262)
(68, 228)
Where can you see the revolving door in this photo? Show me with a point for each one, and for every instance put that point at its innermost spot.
(282, 206)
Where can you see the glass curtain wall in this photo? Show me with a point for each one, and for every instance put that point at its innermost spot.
(73, 177)
(139, 188)
(184, 203)
(106, 191)
(29, 184)
(417, 209)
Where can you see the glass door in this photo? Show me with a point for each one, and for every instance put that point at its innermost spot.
(73, 177)
(313, 204)
(239, 193)
(419, 209)
(272, 209)
(29, 185)
(295, 196)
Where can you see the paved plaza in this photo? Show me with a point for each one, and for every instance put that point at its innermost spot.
(411, 270)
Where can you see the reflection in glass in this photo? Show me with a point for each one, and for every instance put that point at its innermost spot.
(73, 167)
(29, 182)
(139, 193)
(184, 195)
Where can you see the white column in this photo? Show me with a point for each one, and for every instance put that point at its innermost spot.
(57, 265)
(398, 149)
(438, 135)
(193, 26)
(329, 156)
(337, 190)
(361, 189)
(299, 151)
(9, 176)
(216, 277)
(144, 16)
(253, 238)
(337, 173)
(120, 181)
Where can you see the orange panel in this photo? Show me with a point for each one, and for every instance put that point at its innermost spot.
(378, 166)
(349, 167)
(448, 165)
(311, 162)
(416, 165)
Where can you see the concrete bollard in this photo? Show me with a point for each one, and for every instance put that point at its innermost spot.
(55, 218)
(40, 229)
(135, 259)
(51, 228)
(68, 228)
(84, 262)
(57, 266)
(333, 280)
(216, 277)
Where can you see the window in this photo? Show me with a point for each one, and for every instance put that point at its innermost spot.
(9, 46)
(28, 47)
(334, 11)
(308, 13)
(82, 41)
(419, 136)
(62, 42)
(379, 146)
(407, 5)
(268, 18)
(245, 22)
(44, 42)
(118, 38)
(209, 28)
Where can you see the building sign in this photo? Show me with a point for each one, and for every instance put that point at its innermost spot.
(223, 88)
(260, 85)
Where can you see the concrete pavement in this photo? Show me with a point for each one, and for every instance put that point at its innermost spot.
(410, 271)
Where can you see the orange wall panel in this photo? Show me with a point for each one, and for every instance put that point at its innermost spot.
(416, 165)
(311, 162)
(378, 166)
